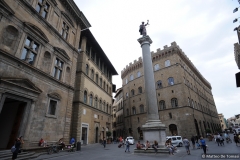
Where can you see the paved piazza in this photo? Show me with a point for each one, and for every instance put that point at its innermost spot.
(96, 151)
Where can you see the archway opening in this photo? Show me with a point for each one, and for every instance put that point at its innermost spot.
(173, 129)
(196, 126)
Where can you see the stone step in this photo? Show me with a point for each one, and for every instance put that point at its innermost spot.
(8, 153)
(151, 150)
(26, 155)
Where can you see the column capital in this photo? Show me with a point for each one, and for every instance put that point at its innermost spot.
(145, 38)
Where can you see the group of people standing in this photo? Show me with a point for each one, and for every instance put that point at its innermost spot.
(195, 141)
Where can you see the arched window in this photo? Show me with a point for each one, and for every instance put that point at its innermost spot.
(87, 68)
(110, 109)
(126, 95)
(100, 104)
(156, 67)
(85, 97)
(100, 82)
(104, 106)
(127, 112)
(192, 104)
(159, 84)
(133, 110)
(92, 74)
(162, 104)
(107, 88)
(141, 108)
(139, 90)
(131, 77)
(97, 78)
(104, 85)
(126, 81)
(132, 92)
(174, 102)
(170, 81)
(91, 100)
(138, 74)
(96, 102)
(167, 63)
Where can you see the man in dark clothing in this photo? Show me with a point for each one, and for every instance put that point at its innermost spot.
(196, 138)
(193, 142)
(17, 147)
(104, 142)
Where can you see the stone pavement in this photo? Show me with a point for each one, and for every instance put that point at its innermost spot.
(96, 151)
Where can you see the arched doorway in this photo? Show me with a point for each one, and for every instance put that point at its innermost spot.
(173, 129)
(196, 126)
(201, 129)
(96, 135)
(114, 134)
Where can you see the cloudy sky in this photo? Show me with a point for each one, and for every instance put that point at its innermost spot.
(202, 28)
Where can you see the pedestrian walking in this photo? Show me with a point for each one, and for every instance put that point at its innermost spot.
(123, 142)
(187, 145)
(221, 140)
(236, 140)
(104, 142)
(204, 146)
(127, 146)
(17, 147)
(193, 141)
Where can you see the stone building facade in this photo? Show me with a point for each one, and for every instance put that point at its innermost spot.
(92, 105)
(222, 121)
(38, 60)
(185, 101)
(118, 117)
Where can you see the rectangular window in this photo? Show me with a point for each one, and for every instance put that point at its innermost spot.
(42, 8)
(58, 68)
(65, 30)
(170, 115)
(52, 107)
(30, 50)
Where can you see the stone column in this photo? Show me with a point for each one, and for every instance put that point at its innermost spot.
(154, 129)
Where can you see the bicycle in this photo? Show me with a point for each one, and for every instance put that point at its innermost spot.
(53, 148)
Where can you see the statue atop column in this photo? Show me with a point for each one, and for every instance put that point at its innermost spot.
(142, 29)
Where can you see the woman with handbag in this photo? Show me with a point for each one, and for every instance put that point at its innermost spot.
(17, 147)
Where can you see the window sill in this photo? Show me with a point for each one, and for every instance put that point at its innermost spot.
(51, 116)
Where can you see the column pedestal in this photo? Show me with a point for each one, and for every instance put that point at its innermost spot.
(154, 131)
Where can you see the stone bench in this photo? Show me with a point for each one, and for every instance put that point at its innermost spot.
(33, 147)
(151, 150)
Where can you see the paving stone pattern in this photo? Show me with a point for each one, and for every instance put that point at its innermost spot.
(96, 151)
